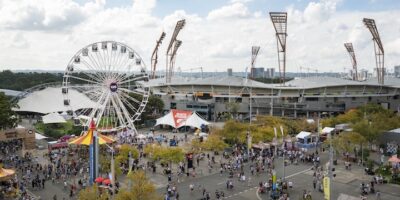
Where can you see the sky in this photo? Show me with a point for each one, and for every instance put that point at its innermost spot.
(219, 34)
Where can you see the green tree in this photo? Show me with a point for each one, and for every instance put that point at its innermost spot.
(154, 106)
(232, 108)
(92, 193)
(172, 155)
(365, 128)
(139, 188)
(214, 143)
(7, 115)
(122, 156)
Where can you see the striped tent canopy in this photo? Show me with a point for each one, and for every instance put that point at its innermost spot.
(87, 138)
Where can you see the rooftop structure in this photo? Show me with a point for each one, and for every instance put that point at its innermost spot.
(50, 99)
(298, 97)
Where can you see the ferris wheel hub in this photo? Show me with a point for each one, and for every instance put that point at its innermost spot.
(113, 87)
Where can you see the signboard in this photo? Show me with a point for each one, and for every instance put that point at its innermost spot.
(274, 180)
(180, 116)
(326, 183)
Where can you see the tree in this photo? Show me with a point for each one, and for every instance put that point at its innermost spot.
(232, 108)
(154, 105)
(165, 154)
(123, 156)
(139, 188)
(7, 115)
(172, 155)
(214, 143)
(347, 141)
(365, 128)
(93, 193)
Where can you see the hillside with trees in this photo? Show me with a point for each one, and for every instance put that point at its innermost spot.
(21, 81)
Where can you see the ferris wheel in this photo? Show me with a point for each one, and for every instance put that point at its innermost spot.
(112, 76)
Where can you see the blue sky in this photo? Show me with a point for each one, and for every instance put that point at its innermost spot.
(202, 7)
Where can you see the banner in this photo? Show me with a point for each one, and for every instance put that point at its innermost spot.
(274, 180)
(249, 142)
(180, 116)
(327, 191)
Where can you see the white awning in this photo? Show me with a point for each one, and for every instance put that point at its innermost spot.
(39, 136)
(303, 134)
(53, 118)
(327, 130)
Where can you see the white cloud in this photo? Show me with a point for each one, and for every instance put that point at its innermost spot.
(49, 34)
(52, 15)
(240, 1)
(236, 10)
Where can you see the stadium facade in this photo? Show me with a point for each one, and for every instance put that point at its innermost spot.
(301, 97)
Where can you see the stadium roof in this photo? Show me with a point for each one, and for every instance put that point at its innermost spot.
(214, 80)
(51, 100)
(12, 93)
(297, 83)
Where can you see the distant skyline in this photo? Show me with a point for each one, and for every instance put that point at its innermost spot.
(45, 34)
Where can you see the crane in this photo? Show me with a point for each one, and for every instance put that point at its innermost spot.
(154, 56)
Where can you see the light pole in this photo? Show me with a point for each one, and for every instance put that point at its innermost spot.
(283, 154)
(318, 129)
(112, 169)
(330, 166)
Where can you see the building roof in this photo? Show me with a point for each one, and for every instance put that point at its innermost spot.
(51, 100)
(297, 83)
(12, 93)
(214, 80)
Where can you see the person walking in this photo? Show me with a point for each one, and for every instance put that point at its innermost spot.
(378, 195)
(315, 183)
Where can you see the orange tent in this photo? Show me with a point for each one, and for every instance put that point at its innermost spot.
(5, 174)
(87, 138)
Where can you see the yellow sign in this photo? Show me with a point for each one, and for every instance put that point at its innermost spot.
(326, 183)
(249, 142)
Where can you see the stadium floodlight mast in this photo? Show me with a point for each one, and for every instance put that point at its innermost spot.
(350, 50)
(154, 56)
(171, 48)
(279, 20)
(178, 43)
(379, 52)
(254, 53)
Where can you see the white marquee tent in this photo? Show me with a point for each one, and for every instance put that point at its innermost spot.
(327, 130)
(53, 118)
(303, 134)
(178, 119)
(195, 121)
